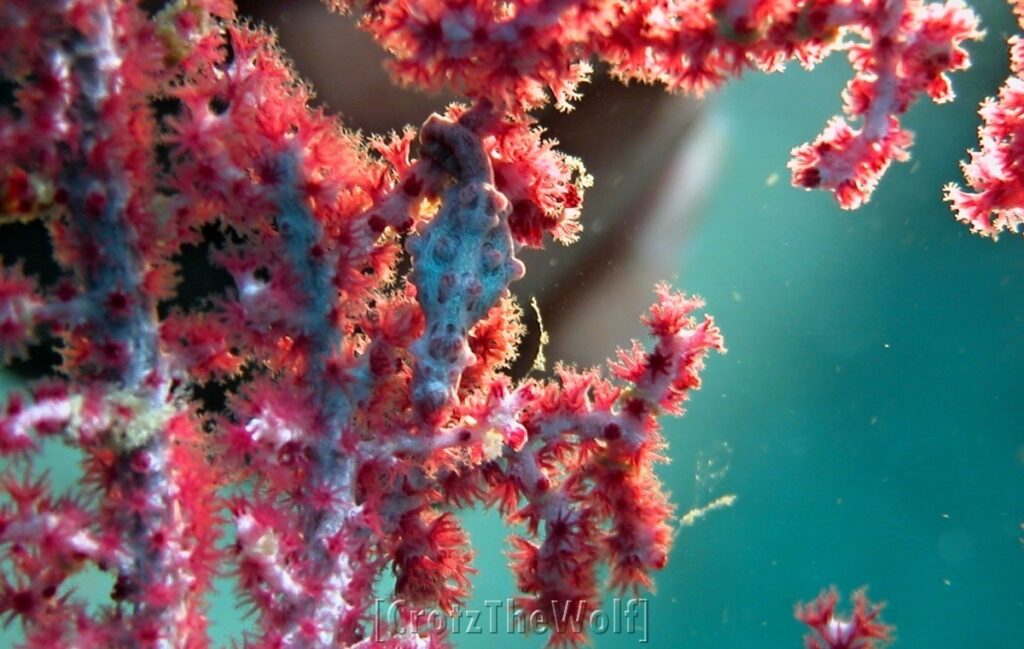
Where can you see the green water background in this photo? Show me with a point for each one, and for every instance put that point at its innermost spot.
(868, 413)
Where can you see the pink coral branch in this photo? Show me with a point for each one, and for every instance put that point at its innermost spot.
(520, 55)
(994, 202)
(864, 630)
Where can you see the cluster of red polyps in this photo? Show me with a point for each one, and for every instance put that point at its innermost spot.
(518, 54)
(994, 201)
(863, 630)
